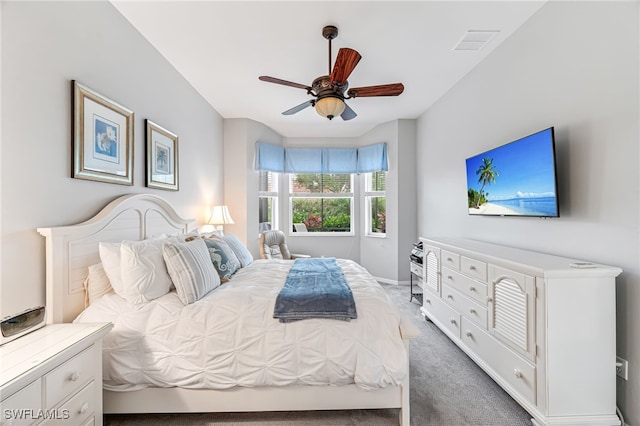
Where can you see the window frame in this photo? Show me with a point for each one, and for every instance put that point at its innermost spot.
(273, 195)
(369, 195)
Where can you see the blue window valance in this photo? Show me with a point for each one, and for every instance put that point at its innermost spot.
(366, 159)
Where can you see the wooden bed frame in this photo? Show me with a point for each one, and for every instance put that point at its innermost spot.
(71, 249)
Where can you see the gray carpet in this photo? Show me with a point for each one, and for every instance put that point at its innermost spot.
(447, 389)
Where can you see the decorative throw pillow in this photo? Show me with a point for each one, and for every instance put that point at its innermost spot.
(190, 268)
(223, 258)
(143, 271)
(96, 284)
(110, 257)
(241, 252)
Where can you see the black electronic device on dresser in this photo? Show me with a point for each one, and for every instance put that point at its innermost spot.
(415, 267)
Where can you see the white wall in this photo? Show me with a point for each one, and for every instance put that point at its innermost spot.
(573, 65)
(240, 178)
(45, 45)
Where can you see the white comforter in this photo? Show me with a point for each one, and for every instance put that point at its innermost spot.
(229, 338)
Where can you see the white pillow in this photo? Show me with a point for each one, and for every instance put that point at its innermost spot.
(181, 238)
(96, 284)
(191, 270)
(110, 257)
(144, 273)
(243, 255)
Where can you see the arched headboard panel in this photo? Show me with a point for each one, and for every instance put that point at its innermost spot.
(71, 249)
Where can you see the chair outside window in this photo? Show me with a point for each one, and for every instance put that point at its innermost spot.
(273, 245)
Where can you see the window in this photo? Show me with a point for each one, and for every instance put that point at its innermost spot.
(375, 204)
(321, 203)
(267, 201)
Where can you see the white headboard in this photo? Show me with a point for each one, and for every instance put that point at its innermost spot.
(71, 249)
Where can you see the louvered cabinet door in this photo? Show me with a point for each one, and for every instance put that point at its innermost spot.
(511, 305)
(431, 263)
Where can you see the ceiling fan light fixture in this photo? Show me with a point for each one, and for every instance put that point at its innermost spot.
(330, 107)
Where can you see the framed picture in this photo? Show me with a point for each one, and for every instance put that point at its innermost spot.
(162, 157)
(102, 138)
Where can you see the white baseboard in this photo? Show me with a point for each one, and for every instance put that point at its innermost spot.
(394, 282)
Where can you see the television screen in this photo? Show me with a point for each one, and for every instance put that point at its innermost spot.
(516, 179)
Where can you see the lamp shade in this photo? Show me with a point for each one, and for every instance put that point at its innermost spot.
(220, 216)
(330, 107)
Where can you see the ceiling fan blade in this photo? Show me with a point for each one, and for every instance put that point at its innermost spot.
(348, 113)
(345, 64)
(298, 108)
(383, 90)
(283, 82)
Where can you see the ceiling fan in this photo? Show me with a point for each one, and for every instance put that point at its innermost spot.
(330, 91)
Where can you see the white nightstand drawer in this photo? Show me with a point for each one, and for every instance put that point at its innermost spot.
(517, 371)
(473, 268)
(17, 409)
(78, 409)
(69, 377)
(416, 269)
(450, 260)
(468, 286)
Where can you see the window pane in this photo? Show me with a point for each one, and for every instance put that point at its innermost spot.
(322, 214)
(319, 183)
(377, 181)
(266, 181)
(378, 219)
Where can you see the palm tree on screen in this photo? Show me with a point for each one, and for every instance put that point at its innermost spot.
(486, 175)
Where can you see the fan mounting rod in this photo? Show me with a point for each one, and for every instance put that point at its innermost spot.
(330, 32)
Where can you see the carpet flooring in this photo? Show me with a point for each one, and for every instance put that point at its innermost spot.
(447, 389)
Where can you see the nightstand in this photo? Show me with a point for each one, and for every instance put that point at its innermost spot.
(416, 271)
(53, 376)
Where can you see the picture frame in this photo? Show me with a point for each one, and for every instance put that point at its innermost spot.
(162, 157)
(102, 138)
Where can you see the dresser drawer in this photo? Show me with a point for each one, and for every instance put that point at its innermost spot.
(467, 286)
(465, 306)
(516, 371)
(69, 377)
(450, 260)
(79, 409)
(473, 268)
(26, 400)
(439, 311)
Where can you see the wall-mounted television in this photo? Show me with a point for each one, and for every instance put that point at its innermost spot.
(515, 179)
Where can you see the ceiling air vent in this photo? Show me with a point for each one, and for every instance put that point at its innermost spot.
(475, 39)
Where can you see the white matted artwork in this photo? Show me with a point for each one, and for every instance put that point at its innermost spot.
(102, 138)
(162, 157)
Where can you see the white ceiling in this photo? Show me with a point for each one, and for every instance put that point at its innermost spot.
(222, 47)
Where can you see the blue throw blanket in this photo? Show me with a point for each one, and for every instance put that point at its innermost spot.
(315, 288)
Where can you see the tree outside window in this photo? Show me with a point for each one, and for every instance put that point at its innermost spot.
(375, 204)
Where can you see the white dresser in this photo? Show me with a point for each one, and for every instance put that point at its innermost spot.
(53, 376)
(542, 326)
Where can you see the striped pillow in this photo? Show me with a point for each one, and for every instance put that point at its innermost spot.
(243, 255)
(190, 269)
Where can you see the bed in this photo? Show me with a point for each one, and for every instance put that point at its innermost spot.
(375, 377)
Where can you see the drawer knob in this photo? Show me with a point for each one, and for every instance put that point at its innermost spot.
(428, 301)
(472, 268)
(75, 376)
(84, 408)
(452, 321)
(449, 259)
(468, 334)
(489, 299)
(449, 296)
(472, 288)
(473, 311)
(449, 277)
(517, 373)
